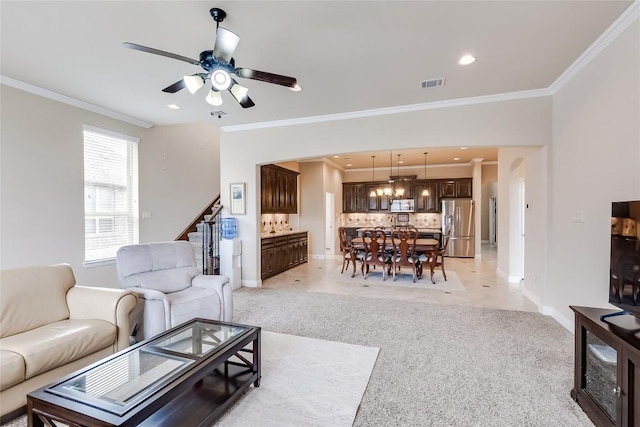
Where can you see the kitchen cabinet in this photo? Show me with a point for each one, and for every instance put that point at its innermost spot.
(430, 203)
(354, 197)
(280, 253)
(279, 190)
(376, 203)
(607, 369)
(459, 187)
(464, 187)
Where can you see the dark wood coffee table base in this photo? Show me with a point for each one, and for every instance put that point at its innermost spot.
(198, 397)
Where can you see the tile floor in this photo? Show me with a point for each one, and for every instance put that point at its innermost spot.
(483, 287)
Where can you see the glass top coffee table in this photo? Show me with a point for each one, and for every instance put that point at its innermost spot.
(187, 375)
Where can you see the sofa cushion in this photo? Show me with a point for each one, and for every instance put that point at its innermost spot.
(165, 266)
(59, 343)
(193, 302)
(12, 369)
(33, 296)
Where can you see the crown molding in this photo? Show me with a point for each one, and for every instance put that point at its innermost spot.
(485, 99)
(72, 101)
(629, 16)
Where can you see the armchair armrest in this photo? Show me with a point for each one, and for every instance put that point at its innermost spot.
(223, 288)
(111, 305)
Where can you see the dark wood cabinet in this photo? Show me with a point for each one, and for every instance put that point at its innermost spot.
(464, 187)
(607, 367)
(430, 203)
(448, 188)
(356, 196)
(281, 253)
(279, 190)
(376, 203)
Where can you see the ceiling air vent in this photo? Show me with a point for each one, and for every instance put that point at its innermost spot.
(219, 113)
(428, 84)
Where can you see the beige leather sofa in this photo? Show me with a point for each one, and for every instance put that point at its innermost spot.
(49, 327)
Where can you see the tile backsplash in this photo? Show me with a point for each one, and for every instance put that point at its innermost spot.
(277, 222)
(420, 220)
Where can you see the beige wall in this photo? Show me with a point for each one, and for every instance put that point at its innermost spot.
(42, 175)
(528, 124)
(595, 160)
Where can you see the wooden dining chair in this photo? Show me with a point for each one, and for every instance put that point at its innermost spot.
(436, 258)
(375, 253)
(404, 251)
(349, 253)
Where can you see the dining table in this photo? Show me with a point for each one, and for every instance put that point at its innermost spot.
(422, 245)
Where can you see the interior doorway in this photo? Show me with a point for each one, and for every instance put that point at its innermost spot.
(330, 236)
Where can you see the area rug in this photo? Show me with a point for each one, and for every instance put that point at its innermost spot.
(305, 382)
(403, 279)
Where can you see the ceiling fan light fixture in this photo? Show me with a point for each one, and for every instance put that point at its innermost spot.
(296, 88)
(193, 83)
(238, 92)
(214, 98)
(220, 79)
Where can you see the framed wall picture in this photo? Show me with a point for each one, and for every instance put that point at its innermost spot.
(238, 205)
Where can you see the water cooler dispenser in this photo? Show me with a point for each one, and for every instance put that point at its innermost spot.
(231, 252)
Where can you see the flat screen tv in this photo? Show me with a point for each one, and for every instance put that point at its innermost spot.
(624, 268)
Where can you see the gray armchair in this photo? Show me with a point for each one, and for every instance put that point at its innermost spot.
(170, 288)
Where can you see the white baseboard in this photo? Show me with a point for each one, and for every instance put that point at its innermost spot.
(501, 274)
(252, 283)
(514, 279)
(567, 323)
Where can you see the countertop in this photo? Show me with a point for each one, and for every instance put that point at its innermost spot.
(266, 235)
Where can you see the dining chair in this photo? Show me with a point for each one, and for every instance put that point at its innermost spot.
(436, 258)
(375, 254)
(404, 251)
(349, 253)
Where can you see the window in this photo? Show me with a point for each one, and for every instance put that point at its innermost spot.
(110, 193)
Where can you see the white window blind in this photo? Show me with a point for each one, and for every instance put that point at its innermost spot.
(110, 193)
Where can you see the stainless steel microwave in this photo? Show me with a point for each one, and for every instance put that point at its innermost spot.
(402, 205)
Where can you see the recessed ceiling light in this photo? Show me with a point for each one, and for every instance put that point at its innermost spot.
(349, 164)
(456, 158)
(466, 60)
(401, 161)
(336, 157)
(173, 106)
(464, 148)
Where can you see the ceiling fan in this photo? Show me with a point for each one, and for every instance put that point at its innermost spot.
(219, 67)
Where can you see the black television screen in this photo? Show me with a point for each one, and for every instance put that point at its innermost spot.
(624, 267)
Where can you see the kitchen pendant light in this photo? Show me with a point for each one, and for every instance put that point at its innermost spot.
(373, 175)
(399, 191)
(425, 192)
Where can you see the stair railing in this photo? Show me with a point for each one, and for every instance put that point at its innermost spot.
(211, 235)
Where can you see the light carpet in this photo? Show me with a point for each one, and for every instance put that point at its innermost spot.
(403, 279)
(305, 382)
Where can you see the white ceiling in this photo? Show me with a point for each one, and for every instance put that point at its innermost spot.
(349, 56)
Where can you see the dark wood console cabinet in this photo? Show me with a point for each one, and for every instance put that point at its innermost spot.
(280, 253)
(607, 369)
(279, 190)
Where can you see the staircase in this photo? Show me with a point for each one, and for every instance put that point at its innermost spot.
(204, 235)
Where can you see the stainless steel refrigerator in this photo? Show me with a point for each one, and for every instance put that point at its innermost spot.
(458, 215)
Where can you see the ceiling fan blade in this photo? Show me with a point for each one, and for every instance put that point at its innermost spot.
(226, 43)
(263, 76)
(246, 102)
(179, 85)
(159, 52)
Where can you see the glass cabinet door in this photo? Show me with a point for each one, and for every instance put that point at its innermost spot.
(600, 374)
